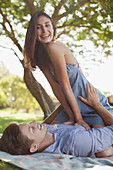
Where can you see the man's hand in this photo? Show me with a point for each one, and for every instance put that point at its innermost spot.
(92, 96)
(83, 123)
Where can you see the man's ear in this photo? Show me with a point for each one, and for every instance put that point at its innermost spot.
(34, 148)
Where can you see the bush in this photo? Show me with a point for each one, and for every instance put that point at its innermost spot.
(16, 95)
(3, 102)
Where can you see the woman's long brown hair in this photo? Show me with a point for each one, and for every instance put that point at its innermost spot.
(34, 52)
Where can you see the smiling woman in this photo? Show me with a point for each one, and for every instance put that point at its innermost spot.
(62, 71)
(44, 30)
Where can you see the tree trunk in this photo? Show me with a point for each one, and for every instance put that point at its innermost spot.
(38, 92)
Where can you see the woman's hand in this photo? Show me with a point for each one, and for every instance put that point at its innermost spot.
(83, 123)
(92, 96)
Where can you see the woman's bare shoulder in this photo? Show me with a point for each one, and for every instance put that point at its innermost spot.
(55, 45)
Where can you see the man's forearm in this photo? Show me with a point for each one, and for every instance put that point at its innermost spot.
(93, 101)
(104, 113)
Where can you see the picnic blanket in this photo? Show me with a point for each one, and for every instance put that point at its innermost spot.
(47, 161)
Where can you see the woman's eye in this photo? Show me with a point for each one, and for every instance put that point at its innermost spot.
(47, 25)
(38, 28)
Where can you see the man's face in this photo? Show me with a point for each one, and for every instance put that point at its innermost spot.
(34, 131)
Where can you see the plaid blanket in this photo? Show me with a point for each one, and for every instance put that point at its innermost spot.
(46, 161)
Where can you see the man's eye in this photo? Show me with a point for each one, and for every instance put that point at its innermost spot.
(32, 129)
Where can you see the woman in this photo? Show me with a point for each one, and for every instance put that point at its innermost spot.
(61, 70)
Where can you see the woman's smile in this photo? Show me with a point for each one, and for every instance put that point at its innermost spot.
(44, 30)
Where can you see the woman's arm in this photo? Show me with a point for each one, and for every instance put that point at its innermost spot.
(57, 56)
(58, 92)
(93, 101)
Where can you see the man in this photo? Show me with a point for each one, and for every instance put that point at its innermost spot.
(59, 138)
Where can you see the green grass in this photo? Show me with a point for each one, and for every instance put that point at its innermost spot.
(9, 115)
(6, 166)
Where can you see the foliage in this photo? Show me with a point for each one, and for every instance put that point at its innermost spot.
(75, 20)
(79, 19)
(16, 94)
(3, 70)
(2, 99)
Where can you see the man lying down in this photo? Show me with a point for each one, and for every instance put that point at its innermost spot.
(24, 138)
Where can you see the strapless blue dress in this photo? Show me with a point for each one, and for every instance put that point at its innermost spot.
(79, 86)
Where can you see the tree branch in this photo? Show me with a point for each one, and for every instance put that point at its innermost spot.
(62, 32)
(31, 6)
(5, 19)
(57, 8)
(57, 17)
(78, 25)
(14, 53)
(10, 34)
(82, 3)
(12, 37)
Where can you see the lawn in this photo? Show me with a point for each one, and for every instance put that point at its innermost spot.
(9, 115)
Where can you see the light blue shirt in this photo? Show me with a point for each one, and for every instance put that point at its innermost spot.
(77, 141)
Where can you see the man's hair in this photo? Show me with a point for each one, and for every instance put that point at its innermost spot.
(14, 142)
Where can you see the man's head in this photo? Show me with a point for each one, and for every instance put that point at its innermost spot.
(22, 139)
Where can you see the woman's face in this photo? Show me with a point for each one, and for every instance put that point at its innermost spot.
(45, 30)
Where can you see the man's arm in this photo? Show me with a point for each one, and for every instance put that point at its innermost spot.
(93, 101)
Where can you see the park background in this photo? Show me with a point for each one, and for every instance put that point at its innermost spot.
(86, 26)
